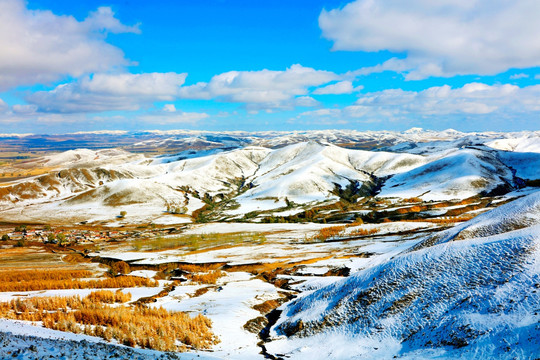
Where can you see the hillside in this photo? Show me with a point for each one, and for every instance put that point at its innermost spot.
(471, 291)
(237, 182)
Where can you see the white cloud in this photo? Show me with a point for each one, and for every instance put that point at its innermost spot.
(103, 20)
(264, 89)
(166, 116)
(322, 113)
(306, 101)
(24, 109)
(472, 101)
(519, 76)
(169, 108)
(259, 90)
(342, 87)
(104, 92)
(38, 46)
(440, 38)
(472, 98)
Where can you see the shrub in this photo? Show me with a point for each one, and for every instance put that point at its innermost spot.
(328, 233)
(206, 278)
(120, 267)
(363, 232)
(61, 237)
(109, 297)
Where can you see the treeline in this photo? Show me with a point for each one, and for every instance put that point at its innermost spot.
(152, 328)
(29, 280)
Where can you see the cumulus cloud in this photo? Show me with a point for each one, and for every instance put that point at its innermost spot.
(264, 89)
(24, 109)
(472, 100)
(170, 115)
(103, 20)
(306, 101)
(258, 90)
(38, 46)
(105, 92)
(440, 38)
(169, 108)
(342, 87)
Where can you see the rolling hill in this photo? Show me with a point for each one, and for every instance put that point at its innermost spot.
(256, 178)
(469, 292)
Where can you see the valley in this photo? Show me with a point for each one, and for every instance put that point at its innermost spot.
(393, 245)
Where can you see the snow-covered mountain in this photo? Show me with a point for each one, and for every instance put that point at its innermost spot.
(470, 292)
(261, 178)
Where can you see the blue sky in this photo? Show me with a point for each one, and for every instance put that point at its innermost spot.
(269, 65)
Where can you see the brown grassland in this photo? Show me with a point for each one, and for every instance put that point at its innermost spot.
(327, 233)
(28, 280)
(206, 278)
(109, 297)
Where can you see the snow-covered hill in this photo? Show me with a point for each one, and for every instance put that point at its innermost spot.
(457, 174)
(470, 292)
(261, 178)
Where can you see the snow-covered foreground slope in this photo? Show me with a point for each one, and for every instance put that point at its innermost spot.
(470, 292)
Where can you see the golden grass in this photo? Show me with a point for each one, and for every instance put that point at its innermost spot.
(412, 209)
(206, 278)
(120, 267)
(193, 268)
(334, 232)
(156, 329)
(412, 200)
(28, 280)
(75, 259)
(328, 233)
(45, 275)
(449, 220)
(109, 297)
(363, 232)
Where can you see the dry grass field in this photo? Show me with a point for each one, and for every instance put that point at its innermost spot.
(129, 325)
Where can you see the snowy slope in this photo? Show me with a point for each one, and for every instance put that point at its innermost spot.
(304, 172)
(310, 171)
(474, 293)
(528, 143)
(525, 164)
(260, 178)
(87, 158)
(457, 174)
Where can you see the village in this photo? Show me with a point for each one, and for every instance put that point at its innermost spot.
(46, 234)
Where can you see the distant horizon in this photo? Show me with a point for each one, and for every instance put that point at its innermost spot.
(178, 131)
(268, 66)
